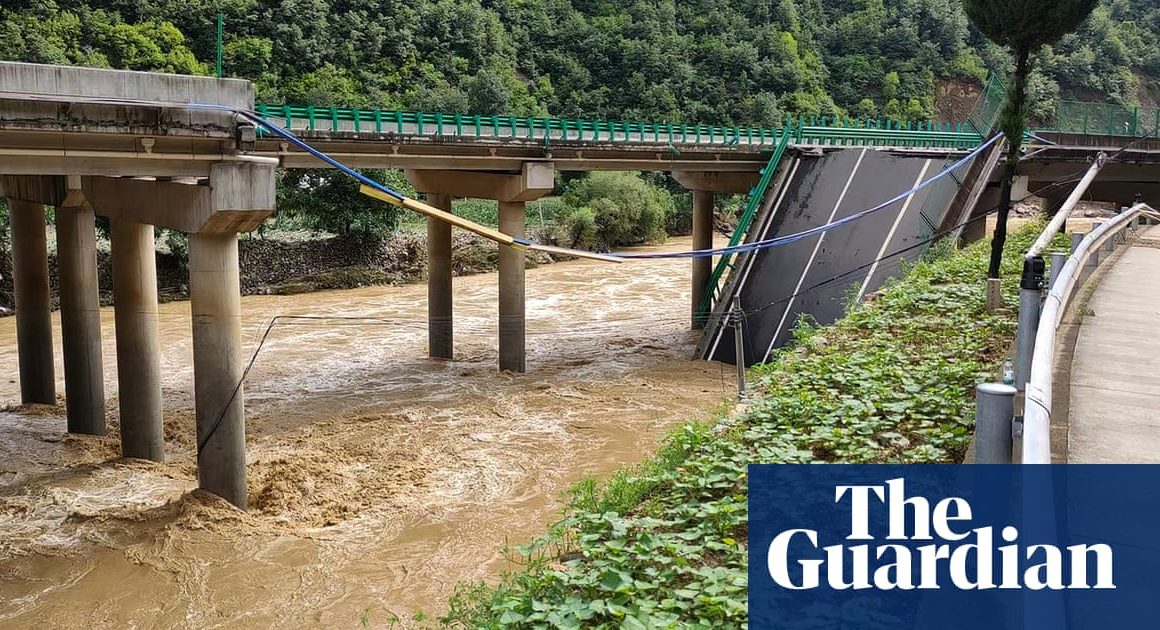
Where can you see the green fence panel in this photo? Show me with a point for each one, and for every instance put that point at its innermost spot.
(752, 205)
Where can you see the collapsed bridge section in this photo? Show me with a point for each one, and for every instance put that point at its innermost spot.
(818, 276)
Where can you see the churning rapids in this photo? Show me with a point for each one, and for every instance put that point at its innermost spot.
(378, 478)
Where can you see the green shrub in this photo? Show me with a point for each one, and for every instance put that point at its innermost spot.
(664, 544)
(329, 201)
(482, 211)
(539, 213)
(679, 218)
(627, 211)
(577, 229)
(545, 212)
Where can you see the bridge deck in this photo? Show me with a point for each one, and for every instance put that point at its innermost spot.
(1115, 375)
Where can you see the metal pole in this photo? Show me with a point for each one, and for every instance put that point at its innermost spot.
(739, 344)
(1094, 259)
(1076, 239)
(1068, 205)
(221, 19)
(995, 411)
(1058, 260)
(1030, 289)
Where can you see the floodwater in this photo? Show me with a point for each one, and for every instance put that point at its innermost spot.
(378, 478)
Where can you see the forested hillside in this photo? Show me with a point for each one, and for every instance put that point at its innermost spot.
(719, 61)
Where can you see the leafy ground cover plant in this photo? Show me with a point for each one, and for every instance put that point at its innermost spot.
(664, 544)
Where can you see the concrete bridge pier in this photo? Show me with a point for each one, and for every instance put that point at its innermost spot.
(440, 328)
(80, 315)
(703, 201)
(138, 346)
(215, 308)
(512, 318)
(237, 197)
(705, 186)
(80, 312)
(512, 191)
(33, 318)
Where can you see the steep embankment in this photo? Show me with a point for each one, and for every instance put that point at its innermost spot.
(665, 543)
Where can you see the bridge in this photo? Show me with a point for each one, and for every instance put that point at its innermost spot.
(194, 155)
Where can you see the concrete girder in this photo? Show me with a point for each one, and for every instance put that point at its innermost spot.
(71, 81)
(52, 98)
(719, 182)
(1122, 192)
(45, 190)
(368, 154)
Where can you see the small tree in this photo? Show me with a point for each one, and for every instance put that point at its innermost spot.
(1023, 26)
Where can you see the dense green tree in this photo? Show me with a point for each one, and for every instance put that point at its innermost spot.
(326, 200)
(1023, 26)
(708, 61)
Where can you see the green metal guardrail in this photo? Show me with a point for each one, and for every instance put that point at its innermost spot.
(987, 109)
(812, 130)
(1105, 119)
(1075, 117)
(752, 205)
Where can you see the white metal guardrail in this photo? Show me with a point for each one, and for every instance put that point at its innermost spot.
(1037, 407)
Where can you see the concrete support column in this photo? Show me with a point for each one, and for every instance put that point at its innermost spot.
(440, 342)
(215, 305)
(138, 347)
(33, 319)
(80, 319)
(512, 355)
(702, 239)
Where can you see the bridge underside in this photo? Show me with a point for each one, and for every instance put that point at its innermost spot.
(141, 162)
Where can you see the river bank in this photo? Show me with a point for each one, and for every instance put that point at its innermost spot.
(665, 544)
(379, 479)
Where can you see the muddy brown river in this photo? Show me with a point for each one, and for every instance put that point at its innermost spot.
(378, 479)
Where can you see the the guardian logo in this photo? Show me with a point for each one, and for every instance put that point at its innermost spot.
(971, 558)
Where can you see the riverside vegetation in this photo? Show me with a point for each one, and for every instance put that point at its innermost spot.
(664, 543)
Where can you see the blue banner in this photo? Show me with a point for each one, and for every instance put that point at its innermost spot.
(863, 547)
